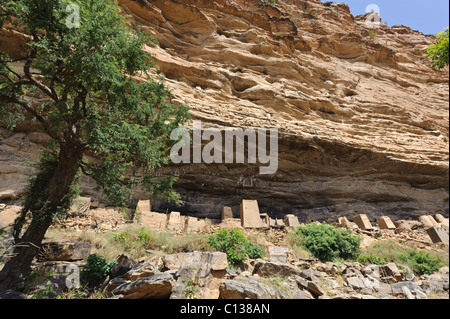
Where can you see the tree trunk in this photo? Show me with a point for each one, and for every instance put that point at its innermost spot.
(16, 272)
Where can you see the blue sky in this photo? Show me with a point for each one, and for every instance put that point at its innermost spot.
(427, 16)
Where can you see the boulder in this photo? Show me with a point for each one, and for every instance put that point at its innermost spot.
(124, 263)
(158, 286)
(11, 294)
(407, 293)
(372, 270)
(196, 281)
(215, 260)
(302, 294)
(352, 271)
(278, 254)
(444, 270)
(315, 289)
(269, 268)
(372, 282)
(391, 270)
(197, 274)
(63, 249)
(141, 271)
(435, 283)
(247, 288)
(310, 284)
(310, 274)
(114, 283)
(356, 283)
(397, 288)
(55, 276)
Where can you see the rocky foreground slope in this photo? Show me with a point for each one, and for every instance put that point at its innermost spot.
(180, 267)
(362, 118)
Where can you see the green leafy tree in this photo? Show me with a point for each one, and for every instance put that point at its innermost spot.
(87, 77)
(438, 51)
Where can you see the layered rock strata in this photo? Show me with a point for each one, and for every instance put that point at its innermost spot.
(362, 118)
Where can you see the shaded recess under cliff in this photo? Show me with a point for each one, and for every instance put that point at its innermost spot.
(362, 118)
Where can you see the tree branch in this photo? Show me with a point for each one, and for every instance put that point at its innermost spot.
(48, 91)
(32, 111)
(12, 71)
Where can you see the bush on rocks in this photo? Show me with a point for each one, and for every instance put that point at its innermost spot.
(234, 243)
(328, 243)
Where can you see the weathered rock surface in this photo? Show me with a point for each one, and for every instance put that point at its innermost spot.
(266, 269)
(158, 286)
(363, 120)
(204, 270)
(247, 288)
(205, 275)
(63, 249)
(141, 271)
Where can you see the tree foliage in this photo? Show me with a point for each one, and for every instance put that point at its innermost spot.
(93, 99)
(438, 52)
(95, 91)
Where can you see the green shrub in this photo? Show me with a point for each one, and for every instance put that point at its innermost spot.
(404, 257)
(327, 242)
(373, 34)
(96, 270)
(254, 251)
(234, 243)
(421, 262)
(124, 238)
(438, 52)
(143, 237)
(372, 260)
(387, 249)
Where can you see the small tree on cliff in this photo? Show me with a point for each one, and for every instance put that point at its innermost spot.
(82, 59)
(438, 52)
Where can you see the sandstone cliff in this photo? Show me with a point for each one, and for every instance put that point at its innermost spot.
(362, 118)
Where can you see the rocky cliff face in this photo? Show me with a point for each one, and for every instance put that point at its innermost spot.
(362, 118)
